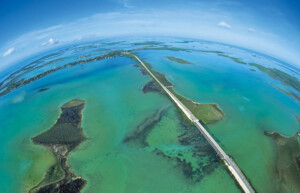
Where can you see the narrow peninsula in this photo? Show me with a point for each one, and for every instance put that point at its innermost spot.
(190, 115)
(206, 112)
(274, 73)
(178, 60)
(62, 138)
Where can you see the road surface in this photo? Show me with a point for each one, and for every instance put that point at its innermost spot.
(231, 165)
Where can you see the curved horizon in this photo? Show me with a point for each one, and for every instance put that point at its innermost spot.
(18, 63)
(273, 32)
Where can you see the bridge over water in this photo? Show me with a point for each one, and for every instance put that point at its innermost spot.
(230, 164)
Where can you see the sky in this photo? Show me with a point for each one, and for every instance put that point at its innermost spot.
(28, 27)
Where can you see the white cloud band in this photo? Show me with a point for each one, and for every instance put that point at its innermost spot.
(9, 52)
(224, 24)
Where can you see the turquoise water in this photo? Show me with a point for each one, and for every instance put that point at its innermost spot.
(251, 104)
(116, 106)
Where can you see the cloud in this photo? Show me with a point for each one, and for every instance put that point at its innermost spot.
(251, 30)
(9, 51)
(224, 24)
(50, 42)
(150, 23)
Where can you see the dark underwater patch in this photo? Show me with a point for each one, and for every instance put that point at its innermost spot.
(139, 135)
(203, 160)
(287, 162)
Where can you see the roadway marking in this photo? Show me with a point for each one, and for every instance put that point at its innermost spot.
(231, 165)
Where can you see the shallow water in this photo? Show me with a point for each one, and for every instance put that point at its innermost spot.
(116, 106)
(251, 104)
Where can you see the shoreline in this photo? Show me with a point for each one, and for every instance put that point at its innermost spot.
(62, 139)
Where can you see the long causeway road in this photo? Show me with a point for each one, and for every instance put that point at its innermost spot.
(231, 165)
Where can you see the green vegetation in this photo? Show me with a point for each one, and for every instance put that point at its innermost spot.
(178, 60)
(43, 89)
(54, 174)
(130, 56)
(152, 86)
(276, 74)
(214, 52)
(287, 92)
(283, 77)
(237, 60)
(288, 162)
(161, 77)
(14, 83)
(66, 130)
(62, 138)
(206, 113)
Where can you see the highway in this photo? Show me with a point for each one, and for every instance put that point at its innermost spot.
(231, 165)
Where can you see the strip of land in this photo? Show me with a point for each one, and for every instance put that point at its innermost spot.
(205, 112)
(285, 78)
(178, 60)
(231, 165)
(14, 81)
(63, 137)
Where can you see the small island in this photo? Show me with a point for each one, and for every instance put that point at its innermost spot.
(178, 60)
(62, 138)
(43, 89)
